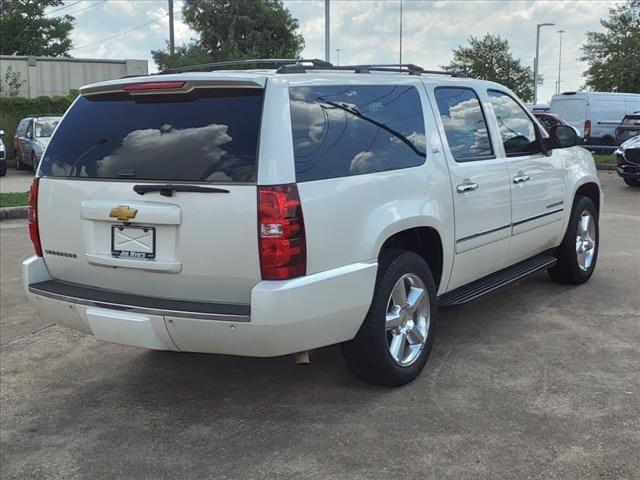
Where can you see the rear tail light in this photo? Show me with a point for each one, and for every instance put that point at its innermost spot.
(34, 232)
(587, 129)
(283, 249)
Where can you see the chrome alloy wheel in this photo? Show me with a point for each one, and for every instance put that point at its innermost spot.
(407, 319)
(586, 240)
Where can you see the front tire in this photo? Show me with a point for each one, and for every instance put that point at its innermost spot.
(632, 182)
(19, 164)
(396, 337)
(34, 162)
(578, 253)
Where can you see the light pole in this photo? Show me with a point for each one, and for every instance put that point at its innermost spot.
(535, 65)
(338, 56)
(172, 43)
(327, 30)
(560, 32)
(400, 35)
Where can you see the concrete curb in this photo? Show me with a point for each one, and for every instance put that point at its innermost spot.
(12, 213)
(606, 166)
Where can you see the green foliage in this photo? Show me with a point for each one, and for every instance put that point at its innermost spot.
(14, 199)
(14, 109)
(613, 55)
(12, 83)
(235, 30)
(26, 30)
(489, 58)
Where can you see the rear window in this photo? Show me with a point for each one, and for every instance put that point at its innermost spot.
(209, 136)
(345, 130)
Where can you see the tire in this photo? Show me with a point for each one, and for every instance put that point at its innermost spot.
(3, 168)
(571, 267)
(409, 331)
(34, 162)
(632, 182)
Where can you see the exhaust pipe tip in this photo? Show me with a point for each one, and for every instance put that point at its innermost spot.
(302, 358)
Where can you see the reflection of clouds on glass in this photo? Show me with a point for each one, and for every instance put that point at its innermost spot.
(419, 140)
(466, 129)
(365, 162)
(512, 120)
(194, 149)
(308, 122)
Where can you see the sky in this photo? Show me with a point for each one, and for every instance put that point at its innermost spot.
(366, 31)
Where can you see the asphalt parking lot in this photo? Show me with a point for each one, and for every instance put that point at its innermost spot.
(538, 381)
(16, 181)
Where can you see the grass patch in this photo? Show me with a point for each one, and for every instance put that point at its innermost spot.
(599, 158)
(14, 199)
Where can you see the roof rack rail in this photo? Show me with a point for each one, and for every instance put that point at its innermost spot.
(205, 67)
(409, 68)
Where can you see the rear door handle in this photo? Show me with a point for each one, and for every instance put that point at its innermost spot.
(521, 178)
(466, 187)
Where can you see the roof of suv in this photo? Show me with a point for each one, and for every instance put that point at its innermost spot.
(296, 71)
(257, 78)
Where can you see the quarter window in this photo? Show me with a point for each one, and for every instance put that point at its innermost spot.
(464, 123)
(345, 130)
(517, 130)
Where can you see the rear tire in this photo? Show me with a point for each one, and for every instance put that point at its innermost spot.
(578, 253)
(34, 162)
(394, 341)
(632, 182)
(19, 164)
(3, 168)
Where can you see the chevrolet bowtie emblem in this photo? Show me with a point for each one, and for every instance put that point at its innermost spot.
(123, 213)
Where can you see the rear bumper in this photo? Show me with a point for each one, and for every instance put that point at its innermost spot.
(284, 316)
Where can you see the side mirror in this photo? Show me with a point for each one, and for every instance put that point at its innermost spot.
(562, 136)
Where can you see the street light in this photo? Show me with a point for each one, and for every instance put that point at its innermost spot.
(535, 64)
(338, 56)
(560, 32)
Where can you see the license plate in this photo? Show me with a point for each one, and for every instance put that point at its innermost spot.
(133, 242)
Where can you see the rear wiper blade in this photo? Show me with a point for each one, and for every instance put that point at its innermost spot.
(167, 190)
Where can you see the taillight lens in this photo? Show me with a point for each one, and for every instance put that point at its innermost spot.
(34, 232)
(587, 129)
(283, 249)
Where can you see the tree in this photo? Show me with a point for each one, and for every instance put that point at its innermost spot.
(235, 30)
(613, 57)
(12, 84)
(489, 58)
(26, 30)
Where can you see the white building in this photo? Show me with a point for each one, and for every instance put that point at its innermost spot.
(59, 75)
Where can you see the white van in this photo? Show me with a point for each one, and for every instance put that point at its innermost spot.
(595, 114)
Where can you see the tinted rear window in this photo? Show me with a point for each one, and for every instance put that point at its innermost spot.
(211, 136)
(346, 130)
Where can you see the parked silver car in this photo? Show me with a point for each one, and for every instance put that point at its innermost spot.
(31, 138)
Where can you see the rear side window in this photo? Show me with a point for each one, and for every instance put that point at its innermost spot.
(345, 130)
(631, 120)
(209, 136)
(517, 130)
(464, 124)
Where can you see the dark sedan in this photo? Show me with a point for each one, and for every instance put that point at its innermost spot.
(629, 128)
(628, 157)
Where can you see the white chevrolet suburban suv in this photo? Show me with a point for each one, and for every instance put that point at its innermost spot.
(275, 211)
